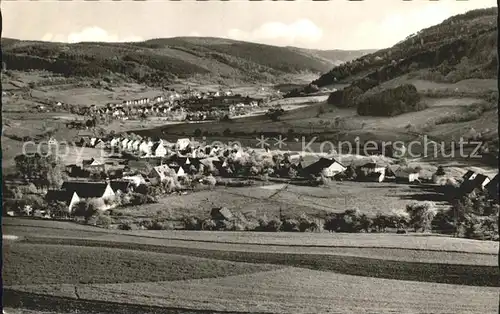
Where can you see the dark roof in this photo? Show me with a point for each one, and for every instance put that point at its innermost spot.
(85, 189)
(221, 212)
(468, 174)
(181, 160)
(405, 171)
(372, 165)
(156, 145)
(59, 196)
(319, 165)
(492, 188)
(122, 185)
(140, 164)
(85, 140)
(470, 185)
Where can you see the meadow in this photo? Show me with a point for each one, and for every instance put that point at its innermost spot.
(259, 201)
(140, 271)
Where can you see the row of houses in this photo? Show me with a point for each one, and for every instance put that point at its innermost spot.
(73, 192)
(472, 182)
(371, 171)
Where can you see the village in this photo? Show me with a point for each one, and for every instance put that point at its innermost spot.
(132, 171)
(186, 105)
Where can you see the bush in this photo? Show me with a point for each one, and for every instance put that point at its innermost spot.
(100, 220)
(290, 225)
(156, 224)
(191, 223)
(209, 224)
(381, 222)
(421, 215)
(266, 225)
(125, 226)
(349, 221)
(87, 209)
(210, 180)
(444, 222)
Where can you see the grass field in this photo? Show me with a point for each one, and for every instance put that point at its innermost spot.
(298, 291)
(49, 264)
(185, 272)
(255, 201)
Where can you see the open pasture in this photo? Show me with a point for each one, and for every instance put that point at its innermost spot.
(303, 291)
(51, 264)
(321, 277)
(256, 202)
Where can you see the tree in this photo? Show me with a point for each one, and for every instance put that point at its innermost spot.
(197, 132)
(86, 209)
(275, 113)
(440, 171)
(421, 215)
(381, 222)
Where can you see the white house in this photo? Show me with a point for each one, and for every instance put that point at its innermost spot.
(145, 147)
(124, 143)
(115, 142)
(373, 172)
(406, 175)
(326, 167)
(69, 198)
(179, 171)
(135, 145)
(130, 145)
(160, 172)
(135, 180)
(158, 149)
(182, 143)
(92, 190)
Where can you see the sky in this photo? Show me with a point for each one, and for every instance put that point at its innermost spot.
(335, 24)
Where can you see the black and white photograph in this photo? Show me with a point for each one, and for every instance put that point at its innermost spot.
(250, 157)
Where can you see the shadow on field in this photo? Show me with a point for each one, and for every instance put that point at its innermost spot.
(472, 275)
(39, 302)
(426, 193)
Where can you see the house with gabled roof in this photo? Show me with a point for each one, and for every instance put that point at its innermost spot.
(328, 167)
(221, 213)
(182, 143)
(124, 143)
(492, 188)
(68, 198)
(135, 145)
(115, 142)
(91, 190)
(99, 144)
(91, 162)
(124, 186)
(161, 172)
(474, 181)
(145, 147)
(469, 175)
(158, 149)
(84, 141)
(136, 180)
(179, 170)
(93, 141)
(371, 171)
(406, 174)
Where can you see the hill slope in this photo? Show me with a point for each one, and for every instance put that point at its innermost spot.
(163, 60)
(472, 35)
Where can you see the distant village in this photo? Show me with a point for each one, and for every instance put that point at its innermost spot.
(188, 105)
